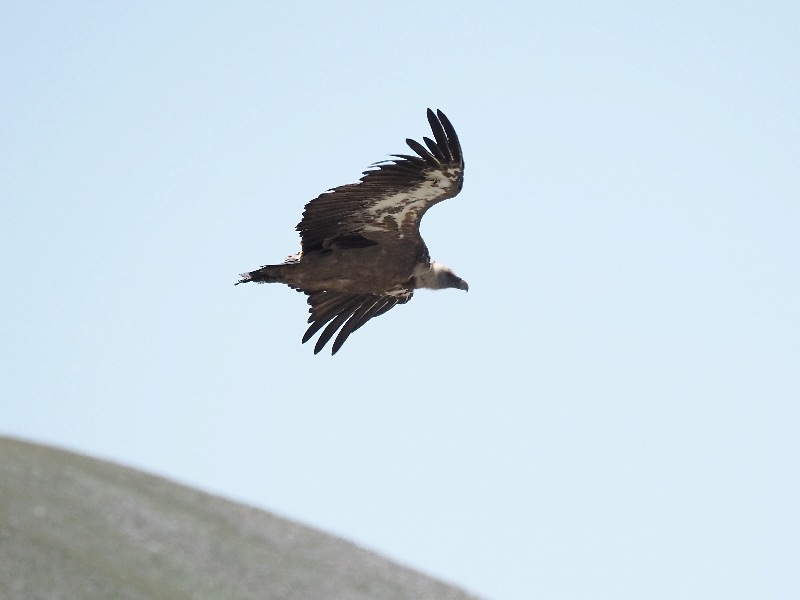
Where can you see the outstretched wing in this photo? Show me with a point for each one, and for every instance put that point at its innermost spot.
(391, 197)
(348, 311)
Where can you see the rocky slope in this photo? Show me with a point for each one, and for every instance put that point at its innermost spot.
(74, 527)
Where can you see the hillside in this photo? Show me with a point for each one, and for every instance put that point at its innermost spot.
(74, 527)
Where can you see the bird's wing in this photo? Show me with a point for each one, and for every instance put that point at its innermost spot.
(348, 311)
(390, 198)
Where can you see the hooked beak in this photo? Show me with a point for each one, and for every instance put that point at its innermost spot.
(463, 285)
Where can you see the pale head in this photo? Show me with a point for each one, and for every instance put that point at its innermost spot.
(437, 277)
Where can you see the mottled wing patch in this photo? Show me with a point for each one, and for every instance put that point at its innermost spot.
(393, 195)
(405, 208)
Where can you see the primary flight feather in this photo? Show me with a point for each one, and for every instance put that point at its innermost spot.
(361, 250)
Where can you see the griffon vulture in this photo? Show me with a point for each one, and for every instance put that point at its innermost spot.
(361, 250)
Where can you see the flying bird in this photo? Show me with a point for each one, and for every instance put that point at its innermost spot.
(361, 250)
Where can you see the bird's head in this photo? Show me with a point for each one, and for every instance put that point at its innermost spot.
(439, 277)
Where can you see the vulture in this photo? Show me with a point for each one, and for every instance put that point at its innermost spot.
(361, 250)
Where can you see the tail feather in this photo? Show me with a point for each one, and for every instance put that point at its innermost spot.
(266, 274)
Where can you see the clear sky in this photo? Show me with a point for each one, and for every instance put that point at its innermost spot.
(612, 411)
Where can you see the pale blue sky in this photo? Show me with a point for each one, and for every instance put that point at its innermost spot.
(611, 412)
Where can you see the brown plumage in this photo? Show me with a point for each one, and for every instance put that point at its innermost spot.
(362, 253)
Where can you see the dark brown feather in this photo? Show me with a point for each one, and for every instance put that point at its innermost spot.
(348, 311)
(435, 150)
(332, 327)
(452, 139)
(361, 316)
(439, 134)
(321, 314)
(426, 156)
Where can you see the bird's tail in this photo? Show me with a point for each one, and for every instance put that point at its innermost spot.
(267, 274)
